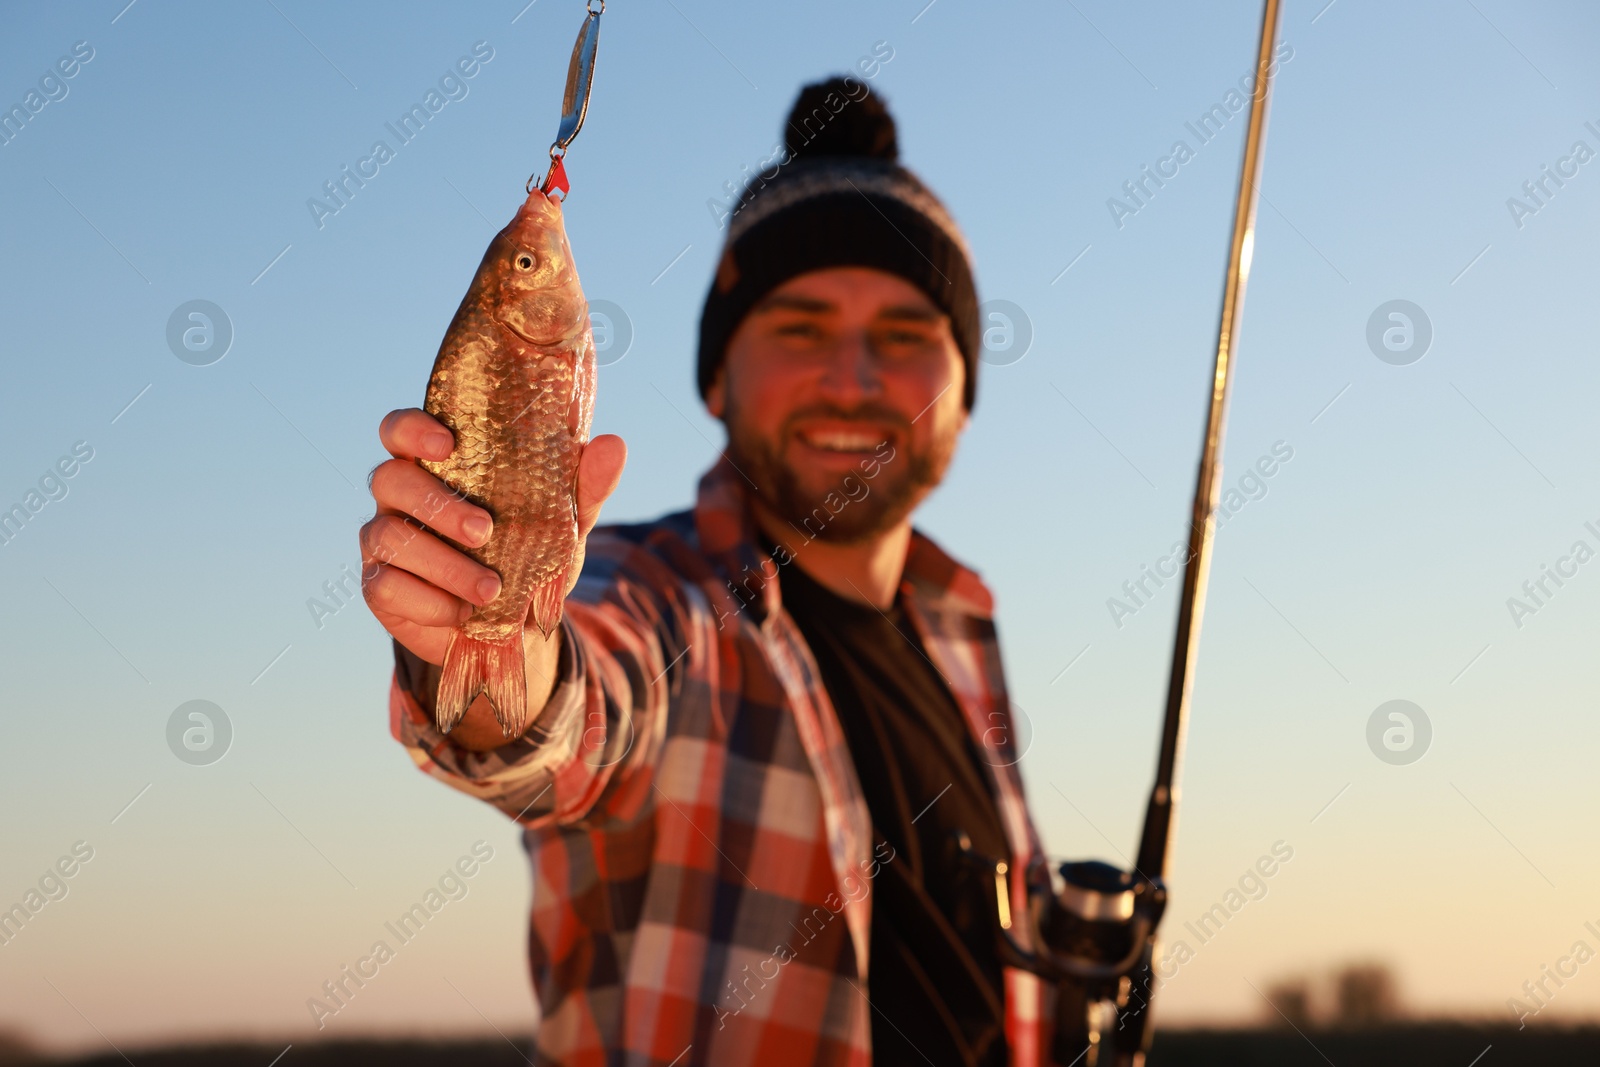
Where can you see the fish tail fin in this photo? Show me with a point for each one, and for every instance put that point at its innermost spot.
(548, 598)
(495, 667)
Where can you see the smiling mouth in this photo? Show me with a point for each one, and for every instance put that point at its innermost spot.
(844, 442)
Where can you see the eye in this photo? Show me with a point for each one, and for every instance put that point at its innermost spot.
(799, 329)
(524, 261)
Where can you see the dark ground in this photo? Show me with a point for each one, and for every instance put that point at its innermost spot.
(1418, 1045)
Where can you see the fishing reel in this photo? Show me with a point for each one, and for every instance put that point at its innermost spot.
(1094, 939)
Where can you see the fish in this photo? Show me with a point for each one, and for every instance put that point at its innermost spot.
(515, 380)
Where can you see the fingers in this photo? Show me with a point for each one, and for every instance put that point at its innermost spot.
(393, 541)
(411, 433)
(395, 594)
(400, 486)
(428, 643)
(599, 471)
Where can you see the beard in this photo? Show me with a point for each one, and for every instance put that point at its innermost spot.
(841, 507)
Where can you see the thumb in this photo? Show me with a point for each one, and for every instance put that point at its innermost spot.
(599, 471)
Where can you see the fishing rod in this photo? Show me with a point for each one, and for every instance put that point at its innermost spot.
(1095, 938)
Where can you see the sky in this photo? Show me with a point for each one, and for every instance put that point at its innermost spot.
(1423, 468)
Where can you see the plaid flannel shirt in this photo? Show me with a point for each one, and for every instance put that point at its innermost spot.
(701, 851)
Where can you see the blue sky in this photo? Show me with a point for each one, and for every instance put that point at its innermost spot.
(1377, 565)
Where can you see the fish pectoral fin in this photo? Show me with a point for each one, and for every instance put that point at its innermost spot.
(548, 598)
(496, 668)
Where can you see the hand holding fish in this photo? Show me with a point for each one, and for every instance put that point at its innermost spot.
(421, 587)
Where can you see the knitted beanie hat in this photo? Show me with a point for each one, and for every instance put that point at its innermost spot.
(839, 198)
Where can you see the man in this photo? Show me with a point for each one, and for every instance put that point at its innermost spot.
(770, 777)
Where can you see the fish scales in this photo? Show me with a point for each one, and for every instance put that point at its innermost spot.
(514, 380)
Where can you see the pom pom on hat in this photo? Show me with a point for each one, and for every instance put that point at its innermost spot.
(854, 125)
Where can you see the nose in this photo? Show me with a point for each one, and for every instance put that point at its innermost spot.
(851, 375)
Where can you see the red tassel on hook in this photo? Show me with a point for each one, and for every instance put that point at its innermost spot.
(556, 179)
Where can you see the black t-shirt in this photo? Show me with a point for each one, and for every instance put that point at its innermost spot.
(934, 979)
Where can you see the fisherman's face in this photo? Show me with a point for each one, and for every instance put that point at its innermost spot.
(841, 393)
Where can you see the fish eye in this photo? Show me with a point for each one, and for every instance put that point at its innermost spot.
(524, 261)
